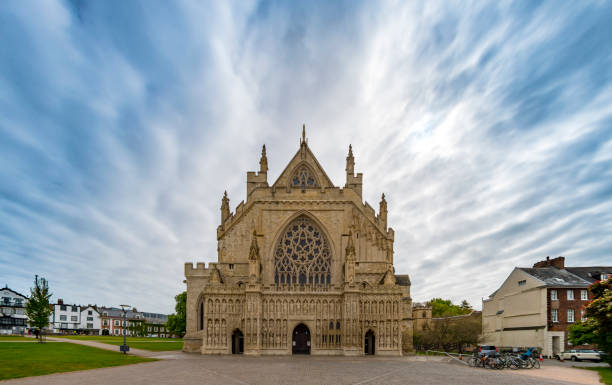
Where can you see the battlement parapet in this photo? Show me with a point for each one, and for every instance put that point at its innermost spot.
(199, 270)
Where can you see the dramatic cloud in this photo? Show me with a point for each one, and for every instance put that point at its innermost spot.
(488, 126)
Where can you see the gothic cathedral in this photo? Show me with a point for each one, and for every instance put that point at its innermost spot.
(304, 267)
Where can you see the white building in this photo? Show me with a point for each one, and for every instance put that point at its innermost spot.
(90, 320)
(12, 312)
(64, 318)
(71, 319)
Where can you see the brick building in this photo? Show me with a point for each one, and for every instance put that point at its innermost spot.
(535, 306)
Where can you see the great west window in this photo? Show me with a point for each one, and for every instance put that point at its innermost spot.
(302, 255)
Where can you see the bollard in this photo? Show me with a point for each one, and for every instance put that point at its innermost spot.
(460, 357)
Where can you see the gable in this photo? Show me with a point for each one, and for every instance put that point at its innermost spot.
(511, 284)
(303, 165)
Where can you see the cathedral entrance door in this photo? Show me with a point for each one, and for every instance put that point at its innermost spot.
(237, 342)
(369, 343)
(301, 340)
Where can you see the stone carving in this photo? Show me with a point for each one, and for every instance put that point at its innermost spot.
(300, 271)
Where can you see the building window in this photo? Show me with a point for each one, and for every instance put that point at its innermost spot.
(117, 332)
(155, 329)
(116, 322)
(63, 307)
(63, 318)
(553, 295)
(105, 322)
(303, 178)
(303, 255)
(582, 315)
(74, 318)
(522, 283)
(570, 315)
(89, 318)
(570, 294)
(555, 315)
(89, 326)
(89, 312)
(74, 309)
(231, 266)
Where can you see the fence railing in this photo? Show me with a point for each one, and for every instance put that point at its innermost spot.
(455, 356)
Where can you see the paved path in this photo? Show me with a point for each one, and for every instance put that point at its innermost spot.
(182, 369)
(100, 345)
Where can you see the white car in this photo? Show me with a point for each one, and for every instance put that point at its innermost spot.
(581, 354)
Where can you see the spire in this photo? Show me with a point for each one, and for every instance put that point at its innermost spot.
(350, 162)
(303, 140)
(382, 212)
(263, 162)
(225, 212)
(254, 265)
(254, 251)
(350, 247)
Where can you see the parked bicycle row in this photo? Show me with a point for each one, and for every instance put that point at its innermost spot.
(502, 361)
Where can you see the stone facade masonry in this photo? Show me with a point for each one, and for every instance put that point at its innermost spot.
(300, 252)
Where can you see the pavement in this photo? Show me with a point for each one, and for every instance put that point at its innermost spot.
(187, 368)
(100, 345)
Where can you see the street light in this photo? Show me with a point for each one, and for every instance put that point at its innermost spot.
(124, 348)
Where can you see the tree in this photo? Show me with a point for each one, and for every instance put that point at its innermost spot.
(445, 308)
(597, 328)
(177, 323)
(37, 308)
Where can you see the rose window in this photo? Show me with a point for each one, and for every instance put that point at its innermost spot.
(302, 256)
(303, 178)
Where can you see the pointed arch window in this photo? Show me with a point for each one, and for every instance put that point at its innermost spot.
(302, 255)
(303, 178)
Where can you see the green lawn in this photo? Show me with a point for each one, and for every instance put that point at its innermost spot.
(24, 360)
(604, 372)
(152, 344)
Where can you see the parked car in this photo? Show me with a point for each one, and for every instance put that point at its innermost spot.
(487, 350)
(581, 354)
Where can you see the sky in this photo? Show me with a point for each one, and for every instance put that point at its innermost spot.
(488, 126)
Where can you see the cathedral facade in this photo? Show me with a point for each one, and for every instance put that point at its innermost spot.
(304, 267)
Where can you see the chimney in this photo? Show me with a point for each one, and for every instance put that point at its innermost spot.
(60, 301)
(558, 262)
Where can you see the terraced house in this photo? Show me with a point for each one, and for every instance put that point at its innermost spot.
(304, 267)
(535, 306)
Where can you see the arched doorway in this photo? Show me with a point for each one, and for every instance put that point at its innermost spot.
(105, 332)
(237, 342)
(301, 340)
(369, 344)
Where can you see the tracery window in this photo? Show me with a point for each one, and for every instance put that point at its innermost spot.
(303, 178)
(302, 255)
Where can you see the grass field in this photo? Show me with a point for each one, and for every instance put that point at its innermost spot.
(152, 344)
(24, 360)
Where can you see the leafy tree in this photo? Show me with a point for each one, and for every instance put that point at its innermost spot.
(597, 328)
(445, 308)
(37, 308)
(466, 305)
(177, 323)
(449, 333)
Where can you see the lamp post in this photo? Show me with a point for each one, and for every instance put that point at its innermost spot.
(124, 348)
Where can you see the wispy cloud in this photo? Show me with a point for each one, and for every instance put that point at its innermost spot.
(488, 126)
